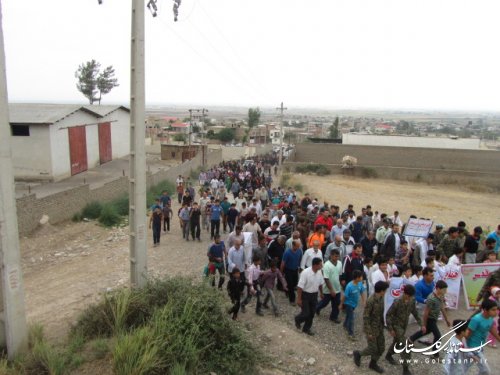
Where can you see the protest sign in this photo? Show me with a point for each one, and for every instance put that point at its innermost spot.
(395, 291)
(418, 228)
(474, 276)
(452, 277)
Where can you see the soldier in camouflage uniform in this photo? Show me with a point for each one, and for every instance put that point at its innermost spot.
(449, 243)
(397, 321)
(492, 280)
(373, 322)
(438, 235)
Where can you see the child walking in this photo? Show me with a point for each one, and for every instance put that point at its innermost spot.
(268, 279)
(155, 224)
(235, 288)
(350, 300)
(495, 297)
(252, 278)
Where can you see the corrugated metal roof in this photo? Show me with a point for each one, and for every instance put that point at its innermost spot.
(28, 113)
(104, 110)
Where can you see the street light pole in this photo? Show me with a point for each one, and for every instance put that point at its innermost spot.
(14, 332)
(281, 109)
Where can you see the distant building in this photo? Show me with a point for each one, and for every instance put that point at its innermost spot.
(55, 141)
(180, 152)
(410, 141)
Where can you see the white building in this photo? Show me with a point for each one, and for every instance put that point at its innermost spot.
(55, 141)
(274, 134)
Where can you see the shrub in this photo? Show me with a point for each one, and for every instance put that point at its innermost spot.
(155, 191)
(368, 172)
(285, 179)
(170, 326)
(109, 217)
(92, 210)
(319, 169)
(121, 205)
(77, 217)
(298, 187)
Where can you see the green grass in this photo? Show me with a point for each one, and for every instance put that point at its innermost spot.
(171, 326)
(368, 172)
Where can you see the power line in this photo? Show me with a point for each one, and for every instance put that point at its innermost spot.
(212, 65)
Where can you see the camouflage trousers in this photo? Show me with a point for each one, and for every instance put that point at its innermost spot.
(399, 342)
(376, 346)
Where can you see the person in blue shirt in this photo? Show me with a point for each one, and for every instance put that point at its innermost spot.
(165, 198)
(477, 332)
(350, 300)
(215, 215)
(496, 236)
(424, 287)
(225, 205)
(216, 254)
(290, 264)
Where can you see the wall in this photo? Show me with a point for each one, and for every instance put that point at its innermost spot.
(410, 141)
(29, 154)
(458, 160)
(93, 159)
(62, 206)
(479, 170)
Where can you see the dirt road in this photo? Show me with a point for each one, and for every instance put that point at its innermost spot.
(66, 267)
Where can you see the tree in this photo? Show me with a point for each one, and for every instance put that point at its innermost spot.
(334, 129)
(90, 81)
(106, 82)
(253, 117)
(180, 138)
(226, 135)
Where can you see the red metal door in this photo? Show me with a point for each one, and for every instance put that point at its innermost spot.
(77, 149)
(105, 153)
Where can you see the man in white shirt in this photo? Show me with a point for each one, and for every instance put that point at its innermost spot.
(310, 283)
(279, 217)
(256, 204)
(253, 227)
(179, 181)
(380, 274)
(396, 219)
(214, 185)
(310, 254)
(455, 259)
(236, 257)
(239, 201)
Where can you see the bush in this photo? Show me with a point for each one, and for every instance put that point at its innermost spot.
(100, 348)
(298, 187)
(109, 217)
(92, 210)
(155, 191)
(319, 169)
(368, 172)
(121, 205)
(77, 217)
(170, 326)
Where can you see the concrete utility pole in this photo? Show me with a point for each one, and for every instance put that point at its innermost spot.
(281, 109)
(13, 329)
(203, 144)
(137, 180)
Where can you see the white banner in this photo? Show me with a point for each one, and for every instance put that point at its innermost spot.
(418, 228)
(452, 277)
(394, 292)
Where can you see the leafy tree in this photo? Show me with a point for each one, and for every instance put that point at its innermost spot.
(210, 134)
(106, 82)
(180, 138)
(253, 117)
(334, 129)
(91, 81)
(226, 135)
(195, 128)
(87, 74)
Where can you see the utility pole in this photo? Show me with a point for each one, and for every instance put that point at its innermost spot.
(203, 143)
(137, 180)
(281, 109)
(14, 332)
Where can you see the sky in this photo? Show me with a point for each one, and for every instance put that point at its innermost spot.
(350, 54)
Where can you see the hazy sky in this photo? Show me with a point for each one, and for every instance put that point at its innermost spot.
(309, 53)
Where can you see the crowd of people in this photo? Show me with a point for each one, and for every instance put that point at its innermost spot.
(270, 240)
